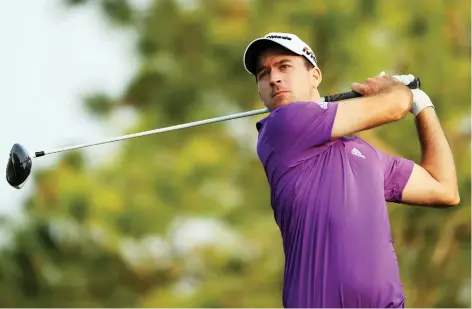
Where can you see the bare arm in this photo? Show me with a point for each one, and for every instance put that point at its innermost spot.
(433, 182)
(386, 100)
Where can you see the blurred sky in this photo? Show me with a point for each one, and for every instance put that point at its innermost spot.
(50, 57)
(53, 57)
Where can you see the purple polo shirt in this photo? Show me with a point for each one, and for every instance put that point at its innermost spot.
(329, 201)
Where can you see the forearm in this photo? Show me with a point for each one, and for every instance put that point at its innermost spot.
(436, 154)
(371, 111)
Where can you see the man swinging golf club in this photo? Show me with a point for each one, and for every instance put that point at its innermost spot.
(329, 189)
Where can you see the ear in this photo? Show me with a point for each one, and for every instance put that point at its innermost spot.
(316, 77)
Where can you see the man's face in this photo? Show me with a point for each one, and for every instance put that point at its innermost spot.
(283, 78)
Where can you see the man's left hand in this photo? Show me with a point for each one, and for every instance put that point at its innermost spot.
(420, 99)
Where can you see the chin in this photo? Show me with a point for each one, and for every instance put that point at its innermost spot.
(282, 102)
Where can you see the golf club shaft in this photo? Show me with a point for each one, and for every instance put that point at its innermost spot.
(329, 98)
(161, 130)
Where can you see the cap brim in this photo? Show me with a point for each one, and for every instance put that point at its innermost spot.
(253, 51)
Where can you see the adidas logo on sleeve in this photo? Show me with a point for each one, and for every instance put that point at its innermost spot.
(357, 153)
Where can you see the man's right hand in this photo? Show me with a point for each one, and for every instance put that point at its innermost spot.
(381, 84)
(384, 100)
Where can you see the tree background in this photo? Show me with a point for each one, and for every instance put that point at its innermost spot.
(183, 219)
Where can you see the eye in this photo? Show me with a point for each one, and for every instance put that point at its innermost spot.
(263, 74)
(284, 66)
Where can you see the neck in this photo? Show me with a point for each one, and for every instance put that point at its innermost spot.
(316, 96)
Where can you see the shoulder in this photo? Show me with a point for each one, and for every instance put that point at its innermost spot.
(278, 114)
(302, 106)
(299, 108)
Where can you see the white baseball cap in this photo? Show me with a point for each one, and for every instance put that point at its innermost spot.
(287, 40)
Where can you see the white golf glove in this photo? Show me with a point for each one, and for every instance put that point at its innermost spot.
(420, 98)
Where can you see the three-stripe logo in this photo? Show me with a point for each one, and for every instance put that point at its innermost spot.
(357, 153)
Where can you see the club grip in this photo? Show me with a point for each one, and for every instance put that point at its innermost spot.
(416, 83)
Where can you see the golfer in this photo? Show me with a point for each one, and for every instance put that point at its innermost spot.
(329, 188)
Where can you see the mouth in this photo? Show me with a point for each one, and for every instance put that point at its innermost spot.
(278, 93)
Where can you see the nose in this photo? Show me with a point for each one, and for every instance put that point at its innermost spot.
(275, 78)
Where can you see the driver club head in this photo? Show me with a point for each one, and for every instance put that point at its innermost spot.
(19, 166)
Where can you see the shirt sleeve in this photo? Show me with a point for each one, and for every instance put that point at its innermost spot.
(397, 172)
(299, 128)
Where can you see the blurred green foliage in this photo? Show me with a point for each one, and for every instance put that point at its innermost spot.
(183, 219)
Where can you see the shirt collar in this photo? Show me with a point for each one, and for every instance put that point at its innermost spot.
(260, 123)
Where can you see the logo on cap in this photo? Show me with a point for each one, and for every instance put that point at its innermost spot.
(279, 37)
(309, 53)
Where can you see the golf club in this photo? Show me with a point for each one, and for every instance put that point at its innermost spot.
(20, 161)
